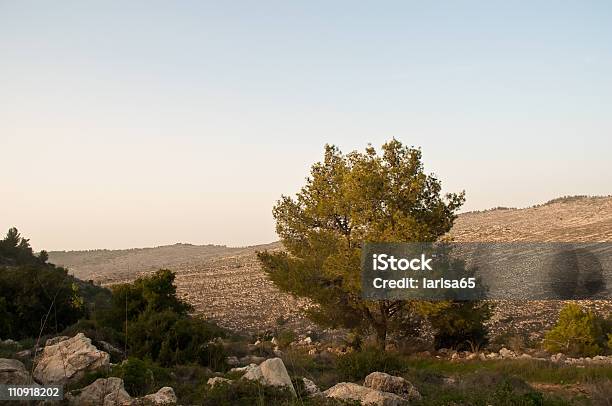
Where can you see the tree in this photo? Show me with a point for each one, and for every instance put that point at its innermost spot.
(13, 238)
(43, 256)
(577, 333)
(347, 200)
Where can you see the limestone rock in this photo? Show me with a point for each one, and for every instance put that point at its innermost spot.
(271, 372)
(310, 387)
(367, 396)
(506, 353)
(13, 372)
(107, 392)
(558, 358)
(217, 380)
(164, 396)
(69, 360)
(393, 384)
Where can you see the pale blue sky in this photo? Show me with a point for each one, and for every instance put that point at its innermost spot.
(126, 124)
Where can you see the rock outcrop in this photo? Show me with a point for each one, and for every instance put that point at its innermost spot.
(107, 392)
(393, 384)
(13, 372)
(348, 391)
(310, 387)
(69, 360)
(164, 396)
(270, 372)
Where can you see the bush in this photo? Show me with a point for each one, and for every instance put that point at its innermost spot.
(141, 376)
(247, 393)
(173, 339)
(356, 365)
(577, 333)
(459, 325)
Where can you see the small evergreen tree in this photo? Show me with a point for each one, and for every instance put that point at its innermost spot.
(347, 200)
(577, 333)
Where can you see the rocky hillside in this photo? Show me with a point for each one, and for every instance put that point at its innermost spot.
(227, 284)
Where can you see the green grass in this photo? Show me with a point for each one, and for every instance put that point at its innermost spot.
(529, 370)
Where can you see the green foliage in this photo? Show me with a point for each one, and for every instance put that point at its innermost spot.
(37, 297)
(349, 199)
(577, 333)
(147, 294)
(285, 337)
(158, 325)
(141, 376)
(249, 393)
(357, 365)
(32, 296)
(173, 339)
(458, 325)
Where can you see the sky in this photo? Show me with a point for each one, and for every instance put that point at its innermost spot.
(144, 123)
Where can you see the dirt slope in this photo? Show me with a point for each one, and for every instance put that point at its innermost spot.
(227, 284)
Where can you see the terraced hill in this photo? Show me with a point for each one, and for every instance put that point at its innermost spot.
(227, 284)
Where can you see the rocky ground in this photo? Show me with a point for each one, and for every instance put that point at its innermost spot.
(228, 286)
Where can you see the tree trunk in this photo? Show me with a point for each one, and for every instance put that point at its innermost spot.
(381, 335)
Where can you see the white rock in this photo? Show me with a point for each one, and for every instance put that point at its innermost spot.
(164, 396)
(392, 384)
(558, 358)
(506, 353)
(109, 391)
(271, 372)
(217, 380)
(13, 372)
(310, 387)
(367, 396)
(69, 360)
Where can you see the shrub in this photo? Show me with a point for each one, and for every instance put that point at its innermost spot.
(173, 339)
(141, 376)
(356, 365)
(459, 325)
(577, 333)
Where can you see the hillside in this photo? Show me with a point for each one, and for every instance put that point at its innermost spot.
(227, 285)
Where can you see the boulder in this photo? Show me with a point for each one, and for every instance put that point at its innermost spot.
(271, 372)
(310, 387)
(69, 360)
(164, 396)
(217, 380)
(506, 353)
(104, 391)
(558, 358)
(348, 391)
(392, 384)
(13, 372)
